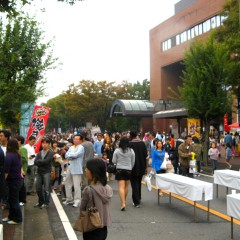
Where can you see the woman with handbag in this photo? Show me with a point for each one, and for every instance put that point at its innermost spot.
(124, 158)
(98, 194)
(158, 157)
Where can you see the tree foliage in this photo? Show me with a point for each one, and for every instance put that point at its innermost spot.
(23, 60)
(205, 92)
(11, 7)
(229, 35)
(91, 101)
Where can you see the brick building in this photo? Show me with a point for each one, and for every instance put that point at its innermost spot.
(193, 19)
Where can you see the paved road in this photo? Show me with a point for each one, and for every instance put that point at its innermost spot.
(151, 221)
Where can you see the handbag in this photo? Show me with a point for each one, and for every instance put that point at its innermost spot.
(165, 162)
(111, 168)
(88, 219)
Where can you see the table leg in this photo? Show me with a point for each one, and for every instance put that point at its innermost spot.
(208, 213)
(217, 190)
(195, 215)
(170, 198)
(227, 191)
(158, 196)
(231, 227)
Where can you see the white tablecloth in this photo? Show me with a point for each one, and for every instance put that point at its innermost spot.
(233, 205)
(190, 188)
(228, 178)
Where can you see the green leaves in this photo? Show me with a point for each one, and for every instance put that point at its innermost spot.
(92, 101)
(23, 59)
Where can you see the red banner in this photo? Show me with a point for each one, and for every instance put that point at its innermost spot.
(225, 123)
(37, 125)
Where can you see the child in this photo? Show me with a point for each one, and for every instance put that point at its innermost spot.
(106, 161)
(213, 154)
(61, 189)
(229, 156)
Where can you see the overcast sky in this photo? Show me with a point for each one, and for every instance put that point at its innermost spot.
(99, 39)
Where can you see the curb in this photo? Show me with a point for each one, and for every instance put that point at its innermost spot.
(19, 229)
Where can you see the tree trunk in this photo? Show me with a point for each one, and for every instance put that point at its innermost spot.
(206, 142)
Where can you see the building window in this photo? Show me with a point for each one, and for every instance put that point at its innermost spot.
(177, 39)
(193, 32)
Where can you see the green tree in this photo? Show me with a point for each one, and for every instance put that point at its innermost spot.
(91, 101)
(229, 35)
(11, 7)
(204, 92)
(24, 57)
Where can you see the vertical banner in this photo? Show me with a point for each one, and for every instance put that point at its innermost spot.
(37, 125)
(193, 127)
(26, 114)
(225, 123)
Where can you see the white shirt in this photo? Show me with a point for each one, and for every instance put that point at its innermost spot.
(4, 150)
(30, 151)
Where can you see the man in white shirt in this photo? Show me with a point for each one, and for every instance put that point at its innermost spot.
(75, 156)
(31, 169)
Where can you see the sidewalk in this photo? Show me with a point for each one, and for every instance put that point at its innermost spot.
(222, 165)
(35, 221)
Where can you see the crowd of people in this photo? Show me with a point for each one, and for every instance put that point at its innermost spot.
(69, 164)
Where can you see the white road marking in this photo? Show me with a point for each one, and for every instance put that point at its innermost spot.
(64, 219)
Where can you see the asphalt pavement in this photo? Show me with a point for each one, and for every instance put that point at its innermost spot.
(151, 221)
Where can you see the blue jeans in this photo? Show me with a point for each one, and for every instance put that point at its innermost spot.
(43, 188)
(214, 164)
(15, 212)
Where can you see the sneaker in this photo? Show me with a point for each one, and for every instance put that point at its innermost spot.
(11, 222)
(43, 206)
(136, 206)
(230, 166)
(6, 219)
(36, 205)
(68, 202)
(63, 199)
(21, 203)
(76, 204)
(59, 194)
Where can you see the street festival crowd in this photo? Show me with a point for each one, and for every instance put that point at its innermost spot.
(77, 166)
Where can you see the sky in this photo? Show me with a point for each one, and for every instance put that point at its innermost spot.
(99, 39)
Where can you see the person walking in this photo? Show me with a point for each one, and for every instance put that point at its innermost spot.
(75, 156)
(139, 169)
(43, 161)
(213, 154)
(124, 158)
(101, 193)
(14, 180)
(229, 155)
(185, 151)
(158, 158)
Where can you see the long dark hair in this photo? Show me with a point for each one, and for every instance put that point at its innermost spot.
(12, 146)
(98, 169)
(124, 143)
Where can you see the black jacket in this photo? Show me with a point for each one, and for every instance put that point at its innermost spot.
(45, 164)
(140, 151)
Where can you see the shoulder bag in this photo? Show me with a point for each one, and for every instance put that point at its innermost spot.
(88, 219)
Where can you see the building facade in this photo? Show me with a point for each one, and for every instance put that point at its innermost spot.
(193, 19)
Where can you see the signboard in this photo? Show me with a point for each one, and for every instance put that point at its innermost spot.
(26, 110)
(193, 127)
(37, 125)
